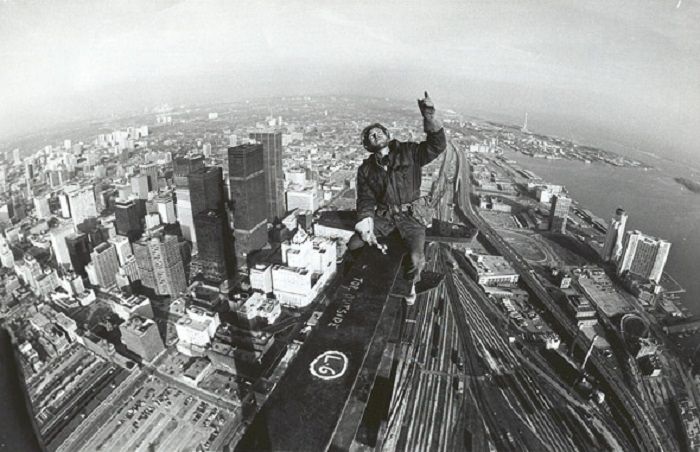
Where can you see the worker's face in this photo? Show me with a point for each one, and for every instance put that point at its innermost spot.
(378, 140)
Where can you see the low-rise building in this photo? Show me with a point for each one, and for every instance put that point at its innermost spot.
(491, 270)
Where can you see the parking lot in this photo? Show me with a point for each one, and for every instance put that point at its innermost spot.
(161, 417)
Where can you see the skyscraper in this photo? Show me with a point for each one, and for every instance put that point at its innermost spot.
(612, 249)
(57, 237)
(166, 208)
(559, 213)
(82, 203)
(274, 174)
(104, 258)
(139, 185)
(128, 222)
(247, 185)
(206, 189)
(215, 259)
(182, 167)
(7, 259)
(644, 255)
(151, 172)
(42, 210)
(160, 264)
(79, 251)
(123, 247)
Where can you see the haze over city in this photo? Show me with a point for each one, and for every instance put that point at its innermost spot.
(625, 72)
(379, 226)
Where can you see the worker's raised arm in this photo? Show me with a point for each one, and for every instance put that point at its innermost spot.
(435, 142)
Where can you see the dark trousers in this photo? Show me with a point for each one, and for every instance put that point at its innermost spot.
(412, 232)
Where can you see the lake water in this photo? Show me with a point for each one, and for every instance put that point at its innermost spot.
(655, 203)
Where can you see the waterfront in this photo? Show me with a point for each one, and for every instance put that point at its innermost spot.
(656, 205)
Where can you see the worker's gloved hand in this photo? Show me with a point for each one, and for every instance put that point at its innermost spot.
(427, 110)
(365, 228)
(426, 106)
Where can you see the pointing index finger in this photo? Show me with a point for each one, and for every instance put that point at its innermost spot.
(426, 95)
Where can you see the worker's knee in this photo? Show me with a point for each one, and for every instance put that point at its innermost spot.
(417, 259)
(355, 242)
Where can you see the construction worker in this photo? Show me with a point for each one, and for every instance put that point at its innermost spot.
(388, 189)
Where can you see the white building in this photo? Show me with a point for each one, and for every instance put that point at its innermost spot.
(303, 198)
(296, 176)
(166, 209)
(57, 236)
(123, 248)
(259, 306)
(82, 203)
(195, 330)
(106, 264)
(184, 213)
(127, 306)
(490, 270)
(41, 207)
(261, 277)
(293, 286)
(644, 255)
(7, 259)
(152, 220)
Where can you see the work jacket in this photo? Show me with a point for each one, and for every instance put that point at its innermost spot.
(399, 183)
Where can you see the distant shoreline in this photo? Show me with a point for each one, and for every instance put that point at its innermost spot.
(689, 184)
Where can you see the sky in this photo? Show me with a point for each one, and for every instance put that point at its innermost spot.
(624, 70)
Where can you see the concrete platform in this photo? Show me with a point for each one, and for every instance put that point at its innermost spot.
(319, 402)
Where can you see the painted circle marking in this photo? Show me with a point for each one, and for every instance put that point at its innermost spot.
(329, 365)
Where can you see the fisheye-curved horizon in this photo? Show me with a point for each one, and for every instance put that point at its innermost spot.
(625, 67)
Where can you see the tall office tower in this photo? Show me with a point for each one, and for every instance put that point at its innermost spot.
(559, 213)
(206, 189)
(612, 249)
(79, 251)
(42, 210)
(127, 219)
(182, 167)
(166, 209)
(97, 193)
(140, 336)
(123, 247)
(274, 173)
(247, 185)
(104, 258)
(644, 255)
(215, 259)
(151, 172)
(139, 186)
(7, 259)
(57, 237)
(82, 203)
(160, 264)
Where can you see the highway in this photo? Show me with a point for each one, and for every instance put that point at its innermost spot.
(638, 418)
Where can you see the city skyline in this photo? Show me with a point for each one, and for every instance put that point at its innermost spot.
(620, 73)
(187, 347)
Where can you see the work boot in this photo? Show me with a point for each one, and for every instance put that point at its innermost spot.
(411, 297)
